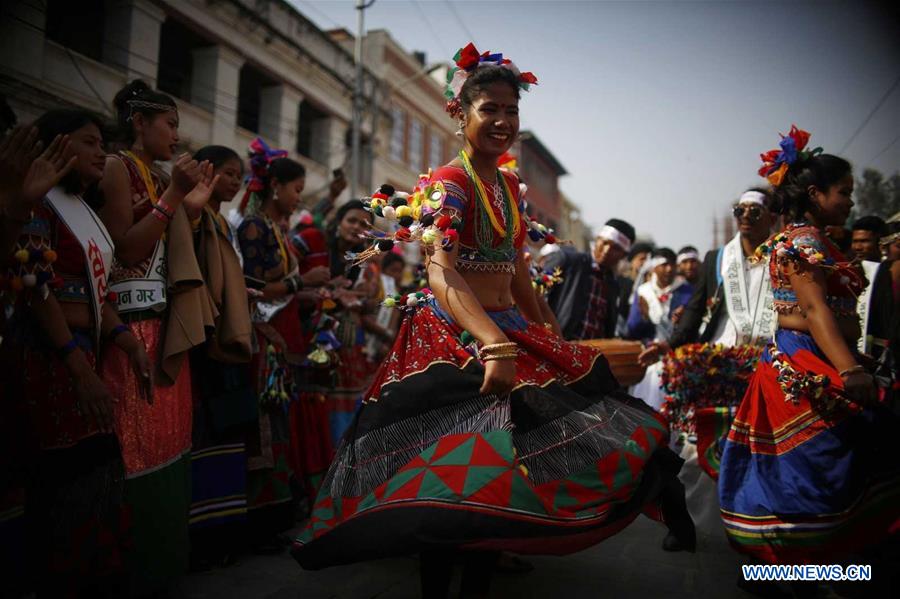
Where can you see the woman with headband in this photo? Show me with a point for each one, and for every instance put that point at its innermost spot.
(808, 471)
(161, 297)
(484, 431)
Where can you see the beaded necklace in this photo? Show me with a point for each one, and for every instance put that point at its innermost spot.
(486, 221)
(276, 230)
(144, 172)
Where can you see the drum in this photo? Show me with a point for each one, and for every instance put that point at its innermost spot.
(622, 356)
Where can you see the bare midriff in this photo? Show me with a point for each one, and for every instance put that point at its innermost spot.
(848, 325)
(77, 315)
(492, 290)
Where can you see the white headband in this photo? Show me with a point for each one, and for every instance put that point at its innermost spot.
(753, 197)
(658, 261)
(617, 237)
(687, 256)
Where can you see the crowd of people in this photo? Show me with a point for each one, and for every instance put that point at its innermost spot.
(183, 384)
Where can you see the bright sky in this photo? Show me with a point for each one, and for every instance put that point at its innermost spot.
(659, 110)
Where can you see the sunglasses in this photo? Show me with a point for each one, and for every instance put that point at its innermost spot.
(752, 211)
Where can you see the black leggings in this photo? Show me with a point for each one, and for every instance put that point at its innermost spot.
(436, 571)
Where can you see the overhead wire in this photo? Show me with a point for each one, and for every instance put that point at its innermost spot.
(874, 110)
(459, 20)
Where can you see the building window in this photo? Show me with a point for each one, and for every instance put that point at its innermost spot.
(313, 139)
(435, 150)
(416, 145)
(398, 133)
(176, 43)
(68, 23)
(252, 81)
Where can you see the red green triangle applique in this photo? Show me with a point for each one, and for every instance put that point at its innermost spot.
(494, 492)
(367, 502)
(433, 487)
(446, 445)
(452, 476)
(406, 489)
(399, 480)
(417, 462)
(635, 463)
(348, 506)
(460, 455)
(493, 450)
(479, 476)
(563, 501)
(585, 495)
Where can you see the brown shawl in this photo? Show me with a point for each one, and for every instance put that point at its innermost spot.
(191, 312)
(224, 278)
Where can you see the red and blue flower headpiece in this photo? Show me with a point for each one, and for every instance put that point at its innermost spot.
(467, 60)
(790, 150)
(261, 156)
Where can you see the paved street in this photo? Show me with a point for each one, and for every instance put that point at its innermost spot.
(631, 564)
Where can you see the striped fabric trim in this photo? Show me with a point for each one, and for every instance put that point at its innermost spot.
(749, 529)
(217, 450)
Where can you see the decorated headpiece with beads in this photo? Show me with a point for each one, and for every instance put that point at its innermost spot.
(261, 157)
(792, 148)
(466, 61)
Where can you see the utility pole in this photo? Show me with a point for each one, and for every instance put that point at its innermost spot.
(355, 165)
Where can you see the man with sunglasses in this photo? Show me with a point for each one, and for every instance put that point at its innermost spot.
(732, 304)
(732, 299)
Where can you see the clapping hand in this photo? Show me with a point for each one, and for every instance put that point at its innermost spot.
(198, 197)
(26, 173)
(186, 174)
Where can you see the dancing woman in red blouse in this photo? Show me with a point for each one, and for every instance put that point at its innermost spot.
(485, 431)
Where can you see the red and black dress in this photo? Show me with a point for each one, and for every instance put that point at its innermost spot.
(75, 528)
(564, 461)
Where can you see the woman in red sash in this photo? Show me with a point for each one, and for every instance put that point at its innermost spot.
(483, 430)
(77, 528)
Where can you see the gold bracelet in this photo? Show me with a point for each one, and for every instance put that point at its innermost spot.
(499, 346)
(490, 357)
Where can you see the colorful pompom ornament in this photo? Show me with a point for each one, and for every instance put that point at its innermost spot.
(23, 256)
(444, 222)
(406, 221)
(403, 210)
(429, 236)
(389, 302)
(385, 245)
(389, 212)
(29, 280)
(412, 301)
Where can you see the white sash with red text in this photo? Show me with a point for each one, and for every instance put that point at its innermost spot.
(98, 247)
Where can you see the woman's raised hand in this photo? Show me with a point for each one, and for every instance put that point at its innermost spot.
(185, 174)
(197, 198)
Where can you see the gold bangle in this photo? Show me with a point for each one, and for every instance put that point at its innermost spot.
(490, 357)
(499, 346)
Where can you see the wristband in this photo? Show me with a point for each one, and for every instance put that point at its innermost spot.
(116, 331)
(293, 283)
(160, 215)
(65, 350)
(167, 210)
